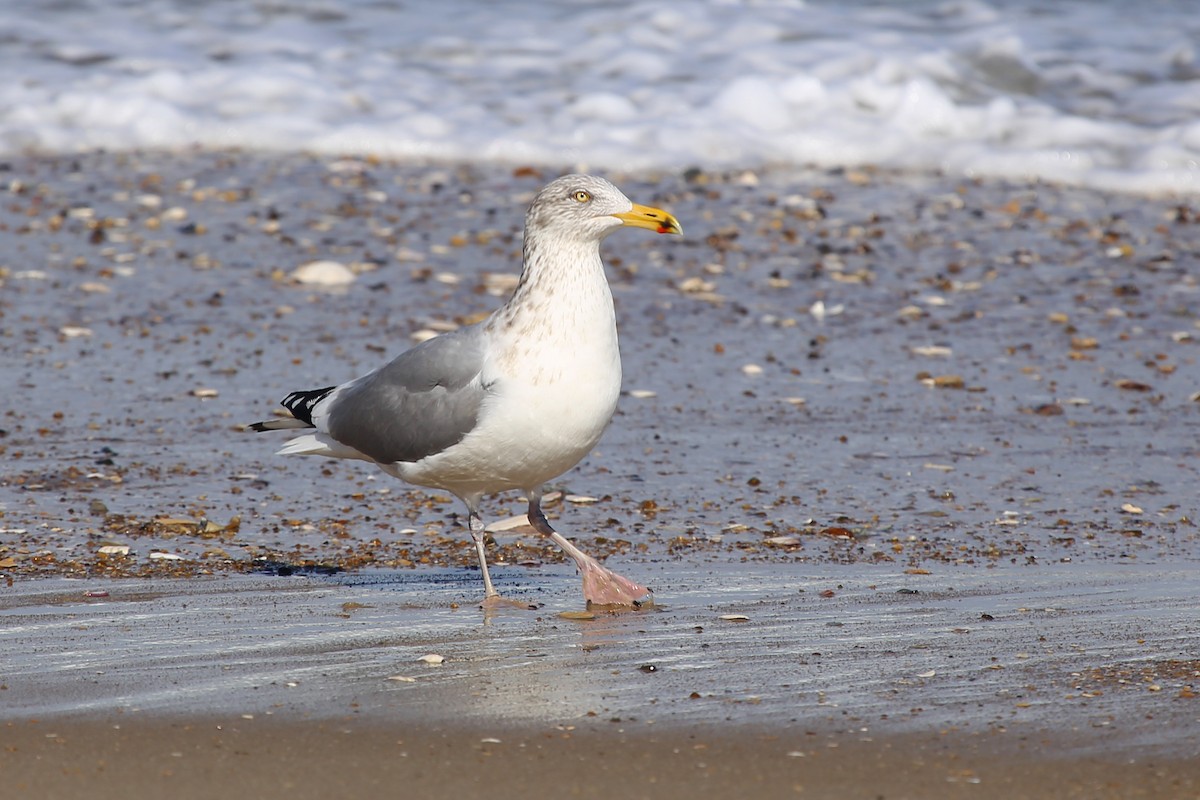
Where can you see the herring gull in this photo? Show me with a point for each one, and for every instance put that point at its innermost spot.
(510, 402)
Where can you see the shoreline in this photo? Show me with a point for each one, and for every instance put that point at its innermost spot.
(1096, 662)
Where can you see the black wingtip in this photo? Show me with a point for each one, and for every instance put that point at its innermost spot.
(301, 404)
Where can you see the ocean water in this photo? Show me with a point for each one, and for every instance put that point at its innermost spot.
(1103, 94)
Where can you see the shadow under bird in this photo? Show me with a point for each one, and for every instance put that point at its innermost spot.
(508, 403)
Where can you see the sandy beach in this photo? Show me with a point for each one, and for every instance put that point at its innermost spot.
(205, 758)
(307, 687)
(909, 460)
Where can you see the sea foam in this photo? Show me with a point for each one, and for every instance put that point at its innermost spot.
(1103, 94)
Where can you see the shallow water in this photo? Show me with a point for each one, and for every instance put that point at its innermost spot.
(1102, 654)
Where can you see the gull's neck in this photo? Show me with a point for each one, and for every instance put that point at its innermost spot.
(557, 334)
(562, 289)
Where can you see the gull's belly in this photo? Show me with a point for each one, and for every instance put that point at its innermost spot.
(529, 432)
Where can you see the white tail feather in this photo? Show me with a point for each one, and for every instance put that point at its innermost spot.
(318, 444)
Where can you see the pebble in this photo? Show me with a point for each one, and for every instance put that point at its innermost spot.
(424, 334)
(820, 311)
(508, 523)
(323, 273)
(694, 285)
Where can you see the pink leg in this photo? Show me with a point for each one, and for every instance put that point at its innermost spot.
(601, 586)
(491, 598)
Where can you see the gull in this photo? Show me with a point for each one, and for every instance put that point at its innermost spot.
(510, 402)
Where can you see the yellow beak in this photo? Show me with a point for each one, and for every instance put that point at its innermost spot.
(654, 219)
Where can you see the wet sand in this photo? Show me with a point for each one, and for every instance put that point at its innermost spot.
(933, 439)
(214, 757)
(1007, 684)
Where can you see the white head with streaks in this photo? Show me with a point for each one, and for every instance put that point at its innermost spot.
(585, 207)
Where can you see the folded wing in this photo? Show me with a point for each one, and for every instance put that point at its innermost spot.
(424, 401)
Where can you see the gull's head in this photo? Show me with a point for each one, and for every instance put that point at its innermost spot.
(587, 207)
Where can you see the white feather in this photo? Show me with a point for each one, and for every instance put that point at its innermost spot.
(319, 444)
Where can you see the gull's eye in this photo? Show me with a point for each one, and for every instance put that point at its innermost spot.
(583, 196)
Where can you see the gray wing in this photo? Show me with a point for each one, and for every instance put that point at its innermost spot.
(421, 403)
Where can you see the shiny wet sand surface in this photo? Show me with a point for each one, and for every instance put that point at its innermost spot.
(1014, 685)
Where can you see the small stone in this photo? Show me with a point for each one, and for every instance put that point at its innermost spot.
(323, 273)
(948, 381)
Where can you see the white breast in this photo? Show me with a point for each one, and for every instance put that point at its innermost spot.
(553, 374)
